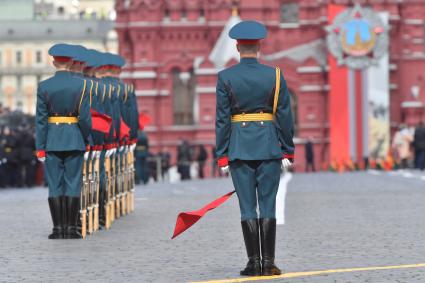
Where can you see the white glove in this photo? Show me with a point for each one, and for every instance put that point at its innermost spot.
(224, 169)
(86, 155)
(108, 153)
(113, 151)
(96, 154)
(286, 163)
(133, 147)
(41, 159)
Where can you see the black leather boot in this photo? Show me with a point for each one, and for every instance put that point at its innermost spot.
(268, 241)
(64, 215)
(252, 244)
(55, 206)
(72, 214)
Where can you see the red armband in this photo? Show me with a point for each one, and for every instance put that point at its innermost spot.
(223, 161)
(40, 153)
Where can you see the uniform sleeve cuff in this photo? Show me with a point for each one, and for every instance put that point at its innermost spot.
(289, 156)
(223, 161)
(40, 154)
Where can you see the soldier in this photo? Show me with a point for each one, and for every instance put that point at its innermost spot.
(254, 132)
(27, 159)
(63, 126)
(11, 159)
(142, 151)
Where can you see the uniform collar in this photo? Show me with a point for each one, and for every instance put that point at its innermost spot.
(62, 72)
(249, 60)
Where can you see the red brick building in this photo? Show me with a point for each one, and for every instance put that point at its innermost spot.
(168, 47)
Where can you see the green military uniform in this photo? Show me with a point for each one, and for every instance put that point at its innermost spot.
(63, 124)
(253, 134)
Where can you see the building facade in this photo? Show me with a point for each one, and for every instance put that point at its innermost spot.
(175, 48)
(28, 29)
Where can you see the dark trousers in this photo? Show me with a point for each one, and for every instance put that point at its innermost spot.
(64, 172)
(420, 158)
(27, 173)
(256, 181)
(310, 166)
(201, 169)
(184, 170)
(11, 171)
(142, 170)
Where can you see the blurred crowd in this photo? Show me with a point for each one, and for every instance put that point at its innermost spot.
(191, 162)
(409, 146)
(18, 164)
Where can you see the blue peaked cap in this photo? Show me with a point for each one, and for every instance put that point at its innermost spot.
(91, 58)
(62, 50)
(248, 30)
(80, 53)
(119, 61)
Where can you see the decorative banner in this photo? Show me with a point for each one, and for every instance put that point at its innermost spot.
(378, 107)
(339, 130)
(359, 84)
(357, 37)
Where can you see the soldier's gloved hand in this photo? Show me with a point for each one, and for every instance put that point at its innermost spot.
(133, 147)
(86, 155)
(223, 163)
(41, 155)
(225, 169)
(286, 163)
(108, 153)
(96, 154)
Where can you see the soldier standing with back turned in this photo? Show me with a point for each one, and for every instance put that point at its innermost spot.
(254, 131)
(63, 126)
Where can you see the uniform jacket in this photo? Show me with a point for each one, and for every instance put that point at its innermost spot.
(248, 87)
(62, 95)
(114, 101)
(98, 92)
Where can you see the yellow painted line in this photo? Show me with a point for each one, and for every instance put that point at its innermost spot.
(312, 273)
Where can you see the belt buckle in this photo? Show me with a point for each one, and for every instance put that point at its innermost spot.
(57, 123)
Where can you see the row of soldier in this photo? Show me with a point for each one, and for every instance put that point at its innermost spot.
(86, 133)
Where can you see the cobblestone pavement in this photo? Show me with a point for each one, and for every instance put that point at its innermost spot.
(332, 221)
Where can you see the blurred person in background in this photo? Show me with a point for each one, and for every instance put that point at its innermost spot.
(309, 156)
(165, 163)
(142, 152)
(419, 145)
(11, 155)
(27, 159)
(201, 158)
(183, 159)
(401, 144)
(2, 161)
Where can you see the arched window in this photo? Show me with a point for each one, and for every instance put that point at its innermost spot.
(294, 108)
(184, 87)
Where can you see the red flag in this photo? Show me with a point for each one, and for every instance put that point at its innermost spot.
(144, 120)
(186, 219)
(100, 122)
(124, 130)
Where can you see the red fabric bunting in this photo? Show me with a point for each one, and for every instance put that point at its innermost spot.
(100, 122)
(186, 219)
(124, 130)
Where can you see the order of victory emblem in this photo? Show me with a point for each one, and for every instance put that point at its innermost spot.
(357, 37)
